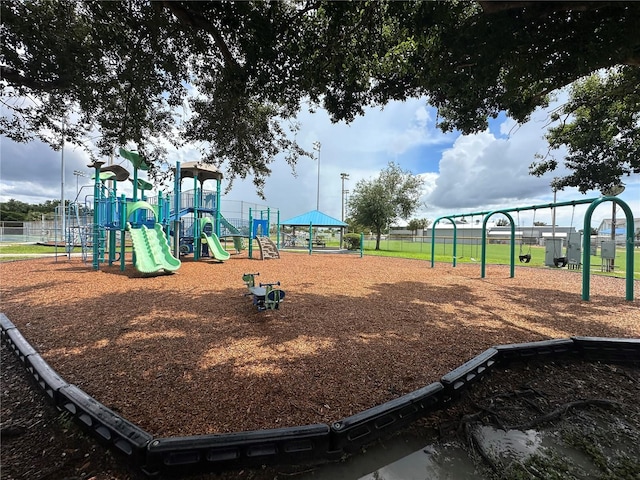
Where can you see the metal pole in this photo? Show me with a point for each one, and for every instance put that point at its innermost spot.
(343, 176)
(64, 240)
(316, 147)
(553, 218)
(612, 262)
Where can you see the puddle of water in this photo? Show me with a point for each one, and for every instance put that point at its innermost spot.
(441, 462)
(376, 456)
(408, 459)
(402, 459)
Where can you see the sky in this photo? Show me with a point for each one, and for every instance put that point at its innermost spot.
(463, 173)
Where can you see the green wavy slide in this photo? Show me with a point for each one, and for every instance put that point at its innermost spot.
(152, 251)
(215, 247)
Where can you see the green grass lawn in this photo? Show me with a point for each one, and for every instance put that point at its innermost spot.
(12, 252)
(496, 254)
(30, 249)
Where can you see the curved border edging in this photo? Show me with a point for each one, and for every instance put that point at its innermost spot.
(292, 445)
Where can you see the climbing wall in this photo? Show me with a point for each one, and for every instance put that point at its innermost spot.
(268, 249)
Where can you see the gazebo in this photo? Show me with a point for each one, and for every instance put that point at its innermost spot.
(309, 220)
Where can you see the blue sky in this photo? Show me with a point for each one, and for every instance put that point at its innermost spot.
(462, 173)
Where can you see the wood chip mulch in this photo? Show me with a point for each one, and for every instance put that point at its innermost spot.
(189, 354)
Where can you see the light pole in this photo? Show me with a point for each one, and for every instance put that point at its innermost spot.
(62, 183)
(78, 173)
(343, 176)
(316, 147)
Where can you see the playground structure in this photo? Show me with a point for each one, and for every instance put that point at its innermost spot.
(165, 227)
(554, 255)
(265, 296)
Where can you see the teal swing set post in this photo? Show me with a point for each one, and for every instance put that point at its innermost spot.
(433, 237)
(586, 259)
(586, 247)
(483, 250)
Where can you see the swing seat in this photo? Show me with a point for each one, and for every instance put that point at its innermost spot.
(526, 258)
(560, 262)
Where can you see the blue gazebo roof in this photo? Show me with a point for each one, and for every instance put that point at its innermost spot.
(315, 218)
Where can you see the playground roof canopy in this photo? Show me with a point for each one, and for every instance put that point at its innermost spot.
(315, 218)
(202, 170)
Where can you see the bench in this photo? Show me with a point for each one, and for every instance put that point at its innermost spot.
(318, 243)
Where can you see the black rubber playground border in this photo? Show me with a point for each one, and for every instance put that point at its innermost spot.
(308, 444)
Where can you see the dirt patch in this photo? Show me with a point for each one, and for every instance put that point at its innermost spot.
(581, 421)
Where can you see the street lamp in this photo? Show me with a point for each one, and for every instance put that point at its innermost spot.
(78, 173)
(316, 147)
(343, 176)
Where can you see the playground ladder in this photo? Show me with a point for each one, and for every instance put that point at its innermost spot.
(268, 249)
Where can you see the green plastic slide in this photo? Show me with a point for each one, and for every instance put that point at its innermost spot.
(152, 250)
(215, 247)
(238, 241)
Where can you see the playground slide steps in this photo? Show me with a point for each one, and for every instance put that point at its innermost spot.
(268, 249)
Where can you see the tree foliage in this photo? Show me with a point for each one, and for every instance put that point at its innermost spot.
(15, 210)
(600, 126)
(394, 194)
(232, 76)
(416, 224)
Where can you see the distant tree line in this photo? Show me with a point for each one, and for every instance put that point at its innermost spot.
(17, 211)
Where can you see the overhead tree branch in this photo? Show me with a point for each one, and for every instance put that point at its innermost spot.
(16, 78)
(195, 20)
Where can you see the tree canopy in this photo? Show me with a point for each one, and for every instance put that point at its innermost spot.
(15, 210)
(394, 194)
(600, 126)
(232, 76)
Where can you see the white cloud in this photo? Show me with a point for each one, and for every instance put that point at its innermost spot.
(484, 171)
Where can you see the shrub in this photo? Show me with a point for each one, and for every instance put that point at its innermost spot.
(352, 241)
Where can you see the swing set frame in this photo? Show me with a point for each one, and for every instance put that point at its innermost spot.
(586, 258)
